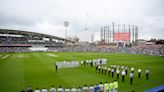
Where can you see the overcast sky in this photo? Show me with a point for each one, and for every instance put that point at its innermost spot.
(47, 16)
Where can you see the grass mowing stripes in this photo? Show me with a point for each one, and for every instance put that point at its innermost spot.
(37, 68)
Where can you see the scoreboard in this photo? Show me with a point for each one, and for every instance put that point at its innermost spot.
(121, 36)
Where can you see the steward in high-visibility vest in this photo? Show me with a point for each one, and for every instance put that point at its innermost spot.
(111, 87)
(106, 87)
(115, 85)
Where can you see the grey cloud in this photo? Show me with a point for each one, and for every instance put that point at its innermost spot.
(35, 14)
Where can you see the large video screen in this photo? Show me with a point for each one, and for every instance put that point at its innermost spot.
(121, 36)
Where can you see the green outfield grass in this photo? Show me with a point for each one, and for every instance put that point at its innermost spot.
(18, 70)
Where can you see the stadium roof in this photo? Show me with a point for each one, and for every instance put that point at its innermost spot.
(31, 34)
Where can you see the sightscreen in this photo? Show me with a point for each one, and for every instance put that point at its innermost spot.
(121, 36)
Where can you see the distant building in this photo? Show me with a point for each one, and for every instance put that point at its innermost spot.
(150, 43)
(84, 43)
(141, 42)
(74, 39)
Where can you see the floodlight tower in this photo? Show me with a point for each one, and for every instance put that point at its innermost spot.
(66, 24)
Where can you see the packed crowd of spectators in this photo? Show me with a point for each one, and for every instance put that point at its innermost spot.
(12, 40)
(14, 49)
(78, 48)
(143, 49)
(149, 49)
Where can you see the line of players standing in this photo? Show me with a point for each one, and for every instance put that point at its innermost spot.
(124, 71)
(116, 69)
